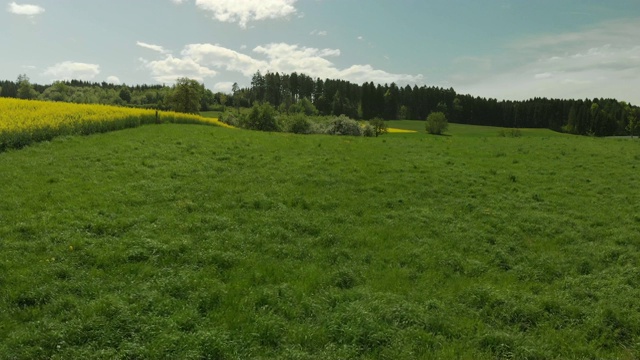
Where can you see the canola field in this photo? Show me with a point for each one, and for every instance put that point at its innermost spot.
(23, 122)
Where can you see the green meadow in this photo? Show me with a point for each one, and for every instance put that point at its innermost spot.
(195, 242)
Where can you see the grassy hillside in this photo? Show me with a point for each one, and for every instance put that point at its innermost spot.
(195, 242)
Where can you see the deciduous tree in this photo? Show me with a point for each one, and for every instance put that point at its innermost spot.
(632, 120)
(186, 96)
(125, 95)
(25, 90)
(379, 126)
(437, 123)
(262, 117)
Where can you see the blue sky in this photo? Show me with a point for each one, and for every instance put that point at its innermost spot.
(506, 49)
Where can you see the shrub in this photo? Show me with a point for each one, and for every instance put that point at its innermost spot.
(304, 106)
(379, 126)
(230, 119)
(297, 124)
(318, 127)
(369, 131)
(342, 125)
(262, 117)
(437, 123)
(512, 132)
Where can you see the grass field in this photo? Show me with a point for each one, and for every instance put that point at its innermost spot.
(471, 130)
(194, 242)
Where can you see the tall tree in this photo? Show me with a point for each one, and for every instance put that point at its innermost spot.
(258, 86)
(222, 99)
(391, 102)
(125, 94)
(571, 122)
(235, 89)
(186, 96)
(25, 89)
(294, 86)
(632, 119)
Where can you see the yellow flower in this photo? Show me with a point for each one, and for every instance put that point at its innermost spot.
(26, 121)
(399, 131)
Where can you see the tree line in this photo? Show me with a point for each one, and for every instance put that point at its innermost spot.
(159, 97)
(598, 117)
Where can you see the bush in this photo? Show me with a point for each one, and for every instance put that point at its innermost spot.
(297, 124)
(230, 119)
(513, 132)
(318, 127)
(369, 131)
(262, 117)
(342, 125)
(304, 106)
(379, 126)
(437, 123)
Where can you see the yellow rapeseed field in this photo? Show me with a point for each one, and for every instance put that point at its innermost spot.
(399, 131)
(26, 121)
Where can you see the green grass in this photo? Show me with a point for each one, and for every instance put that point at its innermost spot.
(177, 241)
(470, 130)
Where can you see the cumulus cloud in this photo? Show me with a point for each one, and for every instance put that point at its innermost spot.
(242, 12)
(601, 61)
(289, 58)
(223, 58)
(69, 70)
(114, 80)
(223, 87)
(199, 59)
(169, 69)
(24, 9)
(316, 63)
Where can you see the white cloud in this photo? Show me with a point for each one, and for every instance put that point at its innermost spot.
(24, 9)
(602, 61)
(72, 70)
(289, 58)
(197, 61)
(223, 58)
(315, 63)
(365, 73)
(319, 33)
(242, 12)
(114, 80)
(157, 48)
(223, 87)
(178, 1)
(170, 69)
